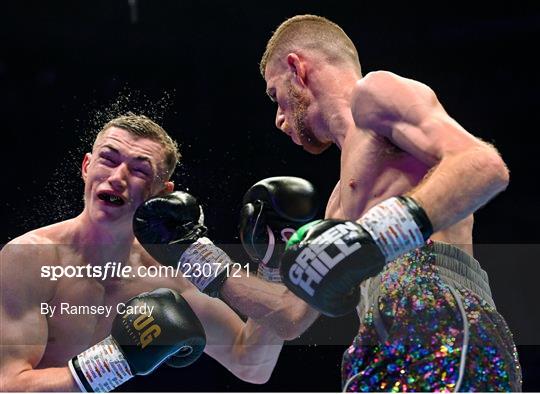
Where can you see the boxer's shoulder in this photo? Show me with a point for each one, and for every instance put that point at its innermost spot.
(381, 100)
(383, 92)
(41, 246)
(29, 247)
(53, 234)
(380, 83)
(33, 237)
(21, 261)
(57, 233)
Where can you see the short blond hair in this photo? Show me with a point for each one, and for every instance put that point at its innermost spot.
(311, 32)
(143, 126)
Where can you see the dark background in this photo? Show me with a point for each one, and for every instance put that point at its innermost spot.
(67, 67)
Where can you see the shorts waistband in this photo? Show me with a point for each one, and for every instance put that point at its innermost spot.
(459, 268)
(454, 266)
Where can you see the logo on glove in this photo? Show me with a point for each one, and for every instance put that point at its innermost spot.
(314, 261)
(140, 324)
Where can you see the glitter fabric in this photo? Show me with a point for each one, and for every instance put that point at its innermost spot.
(422, 346)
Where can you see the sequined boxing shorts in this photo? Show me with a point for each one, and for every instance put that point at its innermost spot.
(428, 323)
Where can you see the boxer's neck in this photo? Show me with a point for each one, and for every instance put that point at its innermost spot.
(332, 94)
(100, 243)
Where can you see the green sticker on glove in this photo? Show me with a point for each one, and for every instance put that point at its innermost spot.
(298, 236)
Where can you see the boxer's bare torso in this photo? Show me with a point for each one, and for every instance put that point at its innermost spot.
(374, 169)
(123, 170)
(72, 331)
(395, 139)
(385, 173)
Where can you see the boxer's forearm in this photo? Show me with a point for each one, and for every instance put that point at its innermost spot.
(48, 379)
(256, 352)
(271, 304)
(460, 184)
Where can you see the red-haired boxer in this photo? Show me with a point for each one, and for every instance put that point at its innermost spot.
(410, 175)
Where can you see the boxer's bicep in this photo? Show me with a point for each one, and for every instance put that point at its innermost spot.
(433, 138)
(431, 135)
(23, 331)
(24, 339)
(409, 114)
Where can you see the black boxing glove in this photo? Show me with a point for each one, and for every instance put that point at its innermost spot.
(171, 228)
(155, 326)
(273, 210)
(325, 261)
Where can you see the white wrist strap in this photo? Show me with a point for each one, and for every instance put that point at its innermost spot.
(269, 274)
(392, 227)
(103, 366)
(202, 262)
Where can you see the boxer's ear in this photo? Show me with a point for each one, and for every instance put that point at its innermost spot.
(84, 166)
(169, 187)
(298, 67)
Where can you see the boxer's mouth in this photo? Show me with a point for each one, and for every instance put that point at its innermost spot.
(111, 198)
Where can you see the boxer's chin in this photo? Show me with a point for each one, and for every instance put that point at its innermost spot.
(316, 149)
(311, 144)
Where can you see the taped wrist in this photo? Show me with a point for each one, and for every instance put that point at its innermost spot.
(101, 368)
(205, 265)
(397, 225)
